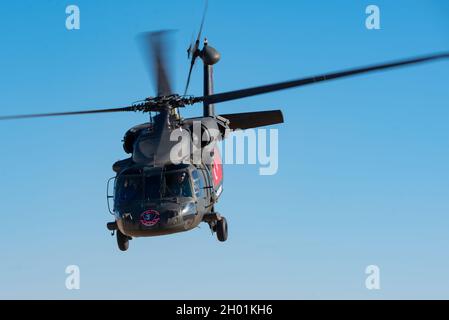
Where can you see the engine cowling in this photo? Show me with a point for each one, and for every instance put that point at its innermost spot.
(132, 134)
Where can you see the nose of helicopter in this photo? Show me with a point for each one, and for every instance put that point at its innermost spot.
(155, 220)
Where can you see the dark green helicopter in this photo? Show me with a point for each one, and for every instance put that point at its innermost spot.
(157, 191)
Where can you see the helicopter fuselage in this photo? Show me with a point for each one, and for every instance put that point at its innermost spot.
(154, 201)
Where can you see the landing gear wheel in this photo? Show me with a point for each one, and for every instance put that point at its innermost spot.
(222, 229)
(122, 241)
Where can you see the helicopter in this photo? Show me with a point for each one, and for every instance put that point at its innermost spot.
(156, 191)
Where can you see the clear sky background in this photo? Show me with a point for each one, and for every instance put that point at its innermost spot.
(363, 164)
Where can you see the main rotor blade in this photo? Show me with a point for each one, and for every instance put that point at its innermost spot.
(192, 64)
(198, 39)
(73, 113)
(194, 51)
(156, 50)
(239, 94)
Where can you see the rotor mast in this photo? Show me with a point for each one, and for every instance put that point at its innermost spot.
(210, 56)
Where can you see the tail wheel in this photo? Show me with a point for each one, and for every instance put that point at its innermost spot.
(222, 229)
(122, 241)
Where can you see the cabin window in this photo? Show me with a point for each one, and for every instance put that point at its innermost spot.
(198, 183)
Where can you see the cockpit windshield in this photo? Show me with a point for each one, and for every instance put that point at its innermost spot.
(128, 189)
(151, 185)
(177, 184)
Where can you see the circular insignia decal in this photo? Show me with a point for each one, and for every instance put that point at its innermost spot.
(150, 218)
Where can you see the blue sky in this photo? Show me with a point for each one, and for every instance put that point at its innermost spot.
(363, 164)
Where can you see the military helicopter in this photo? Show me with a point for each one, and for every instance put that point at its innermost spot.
(157, 191)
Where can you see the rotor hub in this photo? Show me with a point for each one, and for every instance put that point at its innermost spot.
(163, 103)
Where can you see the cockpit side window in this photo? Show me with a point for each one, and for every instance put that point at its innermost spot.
(198, 184)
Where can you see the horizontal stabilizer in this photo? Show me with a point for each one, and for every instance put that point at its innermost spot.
(249, 120)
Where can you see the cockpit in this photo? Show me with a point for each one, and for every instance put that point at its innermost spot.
(137, 185)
